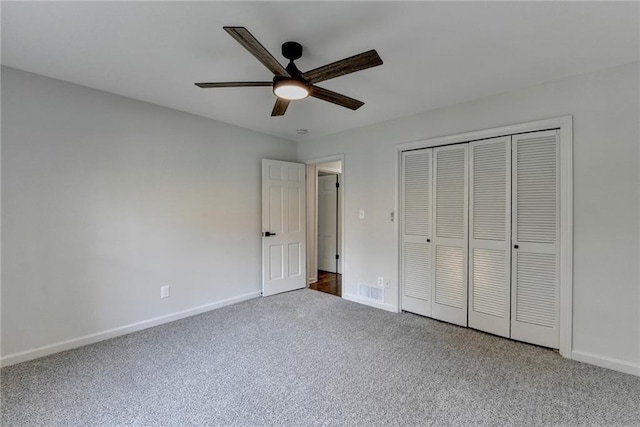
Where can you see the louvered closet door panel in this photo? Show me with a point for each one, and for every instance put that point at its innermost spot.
(450, 238)
(416, 235)
(534, 276)
(490, 235)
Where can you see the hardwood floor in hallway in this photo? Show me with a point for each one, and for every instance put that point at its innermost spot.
(330, 283)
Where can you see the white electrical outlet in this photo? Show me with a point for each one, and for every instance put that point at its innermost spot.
(361, 213)
(164, 292)
(381, 281)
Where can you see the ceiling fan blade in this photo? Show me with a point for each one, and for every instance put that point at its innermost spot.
(359, 62)
(233, 84)
(246, 39)
(336, 98)
(280, 108)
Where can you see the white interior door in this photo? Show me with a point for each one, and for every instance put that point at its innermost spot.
(535, 231)
(490, 235)
(416, 264)
(449, 257)
(328, 223)
(283, 226)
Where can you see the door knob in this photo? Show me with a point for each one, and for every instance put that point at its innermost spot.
(515, 246)
(267, 234)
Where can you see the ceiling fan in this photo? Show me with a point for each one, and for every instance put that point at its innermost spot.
(290, 83)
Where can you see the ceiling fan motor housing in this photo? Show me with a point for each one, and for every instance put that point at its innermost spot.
(292, 50)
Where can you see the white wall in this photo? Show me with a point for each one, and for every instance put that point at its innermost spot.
(105, 199)
(604, 105)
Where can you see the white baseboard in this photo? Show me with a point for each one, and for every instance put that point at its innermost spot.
(606, 362)
(370, 302)
(23, 356)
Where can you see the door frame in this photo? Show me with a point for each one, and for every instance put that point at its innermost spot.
(341, 201)
(565, 126)
(335, 179)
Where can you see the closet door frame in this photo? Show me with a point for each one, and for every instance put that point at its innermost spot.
(565, 126)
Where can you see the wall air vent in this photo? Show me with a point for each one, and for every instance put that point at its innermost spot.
(371, 292)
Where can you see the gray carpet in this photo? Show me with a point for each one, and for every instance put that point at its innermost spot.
(304, 359)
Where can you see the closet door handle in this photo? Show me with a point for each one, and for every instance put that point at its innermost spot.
(428, 240)
(515, 246)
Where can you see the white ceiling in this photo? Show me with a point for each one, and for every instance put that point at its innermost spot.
(435, 53)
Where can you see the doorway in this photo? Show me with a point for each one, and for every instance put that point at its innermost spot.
(325, 263)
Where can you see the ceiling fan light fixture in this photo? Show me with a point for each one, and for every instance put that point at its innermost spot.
(290, 89)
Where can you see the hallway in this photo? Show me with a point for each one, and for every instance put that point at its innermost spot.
(330, 283)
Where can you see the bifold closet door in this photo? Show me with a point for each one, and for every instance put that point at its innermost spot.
(416, 231)
(490, 235)
(449, 259)
(535, 231)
